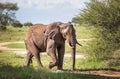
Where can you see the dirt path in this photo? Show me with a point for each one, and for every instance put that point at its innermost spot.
(3, 46)
(14, 50)
(23, 51)
(102, 73)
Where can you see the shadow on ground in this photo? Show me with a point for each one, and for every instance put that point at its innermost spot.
(10, 72)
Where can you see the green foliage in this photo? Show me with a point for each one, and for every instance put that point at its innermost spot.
(17, 24)
(83, 32)
(7, 14)
(28, 24)
(105, 16)
(100, 13)
(105, 44)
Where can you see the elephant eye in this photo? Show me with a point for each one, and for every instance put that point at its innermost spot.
(64, 27)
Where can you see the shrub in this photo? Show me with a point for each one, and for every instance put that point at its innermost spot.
(105, 43)
(105, 16)
(17, 24)
(28, 24)
(2, 27)
(112, 62)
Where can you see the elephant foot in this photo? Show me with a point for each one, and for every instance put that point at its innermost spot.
(40, 67)
(72, 69)
(25, 66)
(60, 68)
(51, 65)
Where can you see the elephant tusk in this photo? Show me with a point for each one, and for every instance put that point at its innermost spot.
(78, 43)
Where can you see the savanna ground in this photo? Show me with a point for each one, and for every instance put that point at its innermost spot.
(12, 63)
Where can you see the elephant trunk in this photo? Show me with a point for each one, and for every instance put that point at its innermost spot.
(73, 50)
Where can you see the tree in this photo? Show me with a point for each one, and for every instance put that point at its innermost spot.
(17, 24)
(28, 24)
(7, 13)
(105, 16)
(100, 13)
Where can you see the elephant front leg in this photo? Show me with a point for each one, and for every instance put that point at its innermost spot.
(51, 51)
(61, 51)
(54, 59)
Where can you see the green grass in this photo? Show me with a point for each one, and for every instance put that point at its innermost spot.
(13, 34)
(11, 67)
(9, 72)
(16, 45)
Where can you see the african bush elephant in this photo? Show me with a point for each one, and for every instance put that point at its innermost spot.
(49, 38)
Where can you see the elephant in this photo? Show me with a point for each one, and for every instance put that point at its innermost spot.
(50, 39)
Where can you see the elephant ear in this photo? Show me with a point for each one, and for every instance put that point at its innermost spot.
(52, 30)
(52, 34)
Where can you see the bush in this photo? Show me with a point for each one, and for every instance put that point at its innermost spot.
(28, 24)
(17, 24)
(105, 43)
(112, 62)
(105, 16)
(2, 27)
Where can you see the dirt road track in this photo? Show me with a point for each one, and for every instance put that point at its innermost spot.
(23, 51)
(102, 73)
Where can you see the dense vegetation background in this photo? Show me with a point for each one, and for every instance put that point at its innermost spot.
(104, 15)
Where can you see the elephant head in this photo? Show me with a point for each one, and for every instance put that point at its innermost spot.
(68, 32)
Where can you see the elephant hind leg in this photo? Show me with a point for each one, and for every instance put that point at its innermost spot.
(34, 52)
(37, 57)
(28, 59)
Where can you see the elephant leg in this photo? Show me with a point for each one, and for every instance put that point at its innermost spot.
(51, 51)
(35, 52)
(54, 59)
(37, 57)
(61, 51)
(28, 59)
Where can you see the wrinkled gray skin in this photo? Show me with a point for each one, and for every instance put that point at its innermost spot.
(41, 38)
